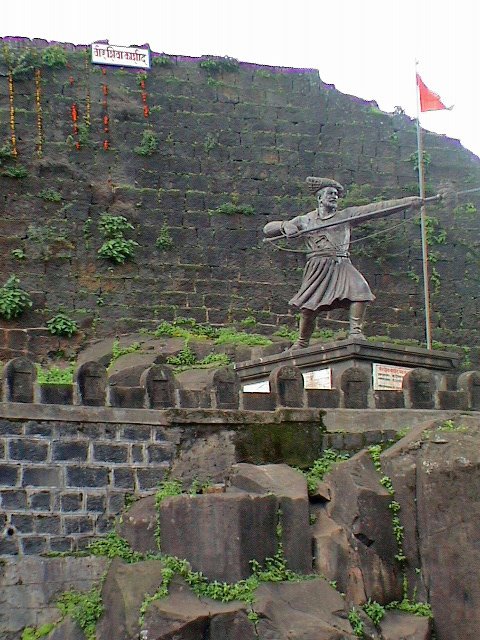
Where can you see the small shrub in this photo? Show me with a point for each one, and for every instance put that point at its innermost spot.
(84, 608)
(118, 351)
(55, 375)
(114, 226)
(118, 250)
(5, 153)
(13, 299)
(17, 171)
(54, 57)
(322, 466)
(374, 611)
(231, 336)
(18, 254)
(113, 546)
(149, 143)
(162, 61)
(356, 622)
(62, 325)
(231, 208)
(214, 64)
(427, 159)
(164, 242)
(50, 195)
(29, 633)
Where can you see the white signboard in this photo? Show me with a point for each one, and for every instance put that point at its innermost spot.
(121, 56)
(257, 387)
(387, 377)
(320, 379)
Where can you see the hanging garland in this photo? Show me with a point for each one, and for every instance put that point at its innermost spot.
(74, 114)
(38, 108)
(88, 102)
(142, 79)
(105, 118)
(13, 137)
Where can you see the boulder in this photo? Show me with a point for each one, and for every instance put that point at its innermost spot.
(307, 610)
(184, 616)
(67, 629)
(441, 526)
(138, 525)
(290, 487)
(401, 626)
(219, 534)
(123, 592)
(353, 539)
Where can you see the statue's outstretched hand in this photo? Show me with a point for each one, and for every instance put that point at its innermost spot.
(289, 229)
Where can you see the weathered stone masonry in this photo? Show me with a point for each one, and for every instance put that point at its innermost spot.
(257, 135)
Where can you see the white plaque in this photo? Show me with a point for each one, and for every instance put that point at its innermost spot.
(257, 387)
(387, 377)
(320, 379)
(121, 56)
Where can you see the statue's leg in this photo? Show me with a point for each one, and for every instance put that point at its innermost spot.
(357, 317)
(307, 325)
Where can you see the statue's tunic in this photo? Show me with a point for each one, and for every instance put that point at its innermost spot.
(329, 278)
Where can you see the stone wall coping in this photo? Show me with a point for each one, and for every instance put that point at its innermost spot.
(327, 353)
(162, 417)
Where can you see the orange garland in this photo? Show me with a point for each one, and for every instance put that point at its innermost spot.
(13, 137)
(106, 119)
(74, 114)
(38, 106)
(146, 110)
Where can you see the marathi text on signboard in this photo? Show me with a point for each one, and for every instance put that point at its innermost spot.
(387, 377)
(121, 56)
(320, 379)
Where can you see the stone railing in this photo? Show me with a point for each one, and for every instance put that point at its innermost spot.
(221, 389)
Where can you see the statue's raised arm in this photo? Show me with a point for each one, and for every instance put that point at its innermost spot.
(329, 279)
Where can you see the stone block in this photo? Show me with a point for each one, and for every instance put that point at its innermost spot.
(86, 476)
(127, 397)
(258, 402)
(19, 376)
(470, 383)
(56, 393)
(419, 389)
(355, 385)
(77, 524)
(34, 545)
(455, 400)
(124, 478)
(42, 476)
(159, 383)
(150, 478)
(396, 625)
(48, 524)
(219, 533)
(70, 502)
(91, 379)
(389, 399)
(9, 475)
(286, 386)
(323, 398)
(40, 501)
(28, 450)
(226, 388)
(110, 452)
(139, 524)
(96, 503)
(13, 500)
(290, 487)
(193, 399)
(69, 450)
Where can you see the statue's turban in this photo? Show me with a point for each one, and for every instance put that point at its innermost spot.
(316, 184)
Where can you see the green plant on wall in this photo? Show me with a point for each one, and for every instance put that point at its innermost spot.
(17, 171)
(164, 241)
(50, 195)
(54, 57)
(149, 143)
(162, 61)
(116, 247)
(233, 207)
(219, 64)
(62, 325)
(5, 153)
(13, 299)
(20, 63)
(427, 159)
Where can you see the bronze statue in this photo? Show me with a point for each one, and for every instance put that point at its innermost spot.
(330, 280)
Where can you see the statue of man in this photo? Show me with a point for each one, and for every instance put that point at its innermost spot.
(330, 280)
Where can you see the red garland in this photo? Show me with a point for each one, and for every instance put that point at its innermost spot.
(143, 87)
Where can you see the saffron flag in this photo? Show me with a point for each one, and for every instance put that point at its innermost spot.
(429, 101)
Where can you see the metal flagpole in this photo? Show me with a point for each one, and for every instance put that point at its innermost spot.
(423, 218)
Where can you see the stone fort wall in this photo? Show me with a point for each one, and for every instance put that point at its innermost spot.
(247, 137)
